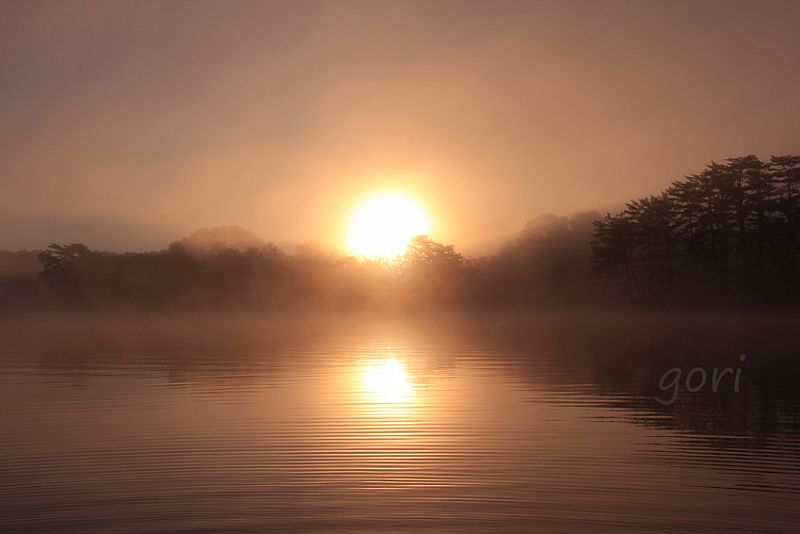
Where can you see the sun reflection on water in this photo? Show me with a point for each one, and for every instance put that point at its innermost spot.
(386, 381)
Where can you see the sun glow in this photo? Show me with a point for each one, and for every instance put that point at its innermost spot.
(382, 226)
(387, 382)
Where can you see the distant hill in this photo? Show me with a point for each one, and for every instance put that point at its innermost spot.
(222, 237)
(19, 263)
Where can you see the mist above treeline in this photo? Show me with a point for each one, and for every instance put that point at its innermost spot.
(728, 236)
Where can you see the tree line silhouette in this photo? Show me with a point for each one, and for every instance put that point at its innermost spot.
(727, 236)
(229, 268)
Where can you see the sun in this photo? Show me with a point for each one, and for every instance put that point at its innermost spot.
(383, 225)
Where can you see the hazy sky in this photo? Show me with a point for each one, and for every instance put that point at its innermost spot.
(128, 125)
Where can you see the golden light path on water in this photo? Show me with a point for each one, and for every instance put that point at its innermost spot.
(356, 424)
(386, 381)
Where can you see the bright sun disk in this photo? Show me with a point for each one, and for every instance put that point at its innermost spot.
(382, 226)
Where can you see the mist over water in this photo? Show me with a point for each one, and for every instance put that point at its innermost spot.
(483, 423)
(387, 267)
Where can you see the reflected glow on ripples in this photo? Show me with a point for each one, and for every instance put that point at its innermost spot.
(187, 424)
(387, 382)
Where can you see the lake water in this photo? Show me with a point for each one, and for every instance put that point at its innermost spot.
(496, 423)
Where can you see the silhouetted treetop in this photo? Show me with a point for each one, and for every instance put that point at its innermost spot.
(727, 235)
(422, 250)
(57, 259)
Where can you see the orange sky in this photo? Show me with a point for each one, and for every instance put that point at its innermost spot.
(128, 125)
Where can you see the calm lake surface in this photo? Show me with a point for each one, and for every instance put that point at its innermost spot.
(500, 423)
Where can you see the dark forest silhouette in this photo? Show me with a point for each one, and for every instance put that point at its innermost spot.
(728, 236)
(546, 265)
